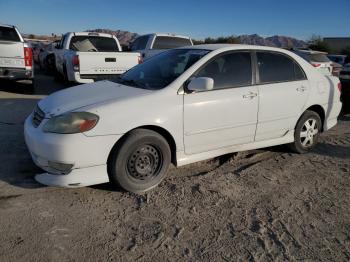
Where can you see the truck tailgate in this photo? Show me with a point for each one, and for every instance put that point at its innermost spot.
(11, 54)
(92, 63)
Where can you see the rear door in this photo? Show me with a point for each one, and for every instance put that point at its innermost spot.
(11, 48)
(226, 115)
(283, 92)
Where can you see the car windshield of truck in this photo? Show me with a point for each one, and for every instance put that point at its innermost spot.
(159, 71)
(168, 42)
(87, 43)
(8, 34)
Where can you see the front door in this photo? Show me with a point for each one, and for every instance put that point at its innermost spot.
(226, 115)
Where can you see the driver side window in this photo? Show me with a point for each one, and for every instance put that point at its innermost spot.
(229, 70)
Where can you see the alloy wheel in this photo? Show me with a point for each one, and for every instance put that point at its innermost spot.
(308, 132)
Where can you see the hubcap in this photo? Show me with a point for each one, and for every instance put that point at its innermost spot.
(308, 132)
(145, 162)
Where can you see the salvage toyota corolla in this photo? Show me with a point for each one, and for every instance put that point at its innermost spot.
(181, 106)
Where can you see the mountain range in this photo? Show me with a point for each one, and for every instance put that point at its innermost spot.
(125, 37)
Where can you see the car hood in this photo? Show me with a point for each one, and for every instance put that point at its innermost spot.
(73, 98)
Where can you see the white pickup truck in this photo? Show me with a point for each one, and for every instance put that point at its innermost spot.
(16, 56)
(85, 57)
(152, 44)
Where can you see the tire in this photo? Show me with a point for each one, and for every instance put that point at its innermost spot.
(141, 162)
(307, 132)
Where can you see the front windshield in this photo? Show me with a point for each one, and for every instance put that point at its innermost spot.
(159, 71)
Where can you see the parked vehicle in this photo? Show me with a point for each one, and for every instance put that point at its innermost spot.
(317, 59)
(344, 77)
(152, 44)
(86, 57)
(181, 106)
(47, 58)
(16, 56)
(340, 59)
(37, 49)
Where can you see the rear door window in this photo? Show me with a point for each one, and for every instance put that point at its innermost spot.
(168, 42)
(229, 70)
(9, 34)
(274, 67)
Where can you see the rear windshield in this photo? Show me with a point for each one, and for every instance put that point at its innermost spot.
(319, 58)
(168, 42)
(87, 43)
(9, 34)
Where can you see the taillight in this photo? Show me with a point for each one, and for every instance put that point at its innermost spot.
(315, 65)
(28, 56)
(140, 59)
(75, 63)
(340, 87)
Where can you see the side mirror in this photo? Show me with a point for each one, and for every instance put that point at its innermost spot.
(201, 84)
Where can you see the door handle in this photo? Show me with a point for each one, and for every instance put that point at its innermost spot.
(301, 89)
(250, 95)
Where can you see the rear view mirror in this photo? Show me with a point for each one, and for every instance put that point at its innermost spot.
(201, 84)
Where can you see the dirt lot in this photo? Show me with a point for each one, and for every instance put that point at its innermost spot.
(264, 205)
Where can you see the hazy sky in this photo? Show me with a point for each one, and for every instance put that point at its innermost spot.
(199, 19)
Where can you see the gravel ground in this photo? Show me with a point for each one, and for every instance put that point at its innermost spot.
(261, 205)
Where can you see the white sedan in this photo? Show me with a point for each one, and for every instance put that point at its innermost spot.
(181, 106)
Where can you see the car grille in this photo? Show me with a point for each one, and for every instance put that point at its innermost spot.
(38, 116)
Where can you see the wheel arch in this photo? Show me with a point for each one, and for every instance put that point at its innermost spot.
(317, 109)
(160, 130)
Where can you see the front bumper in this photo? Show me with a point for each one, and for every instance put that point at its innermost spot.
(86, 155)
(16, 73)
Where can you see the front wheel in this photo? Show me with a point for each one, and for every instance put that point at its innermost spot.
(141, 161)
(307, 132)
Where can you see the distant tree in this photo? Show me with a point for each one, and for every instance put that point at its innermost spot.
(32, 36)
(316, 43)
(219, 40)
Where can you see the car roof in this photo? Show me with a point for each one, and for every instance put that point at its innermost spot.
(3, 25)
(91, 34)
(213, 47)
(167, 34)
(311, 52)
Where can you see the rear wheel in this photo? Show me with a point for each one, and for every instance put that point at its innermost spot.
(141, 162)
(307, 132)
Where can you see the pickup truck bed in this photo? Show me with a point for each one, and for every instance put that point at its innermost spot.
(86, 57)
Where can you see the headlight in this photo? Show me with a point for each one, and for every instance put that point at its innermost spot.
(71, 123)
